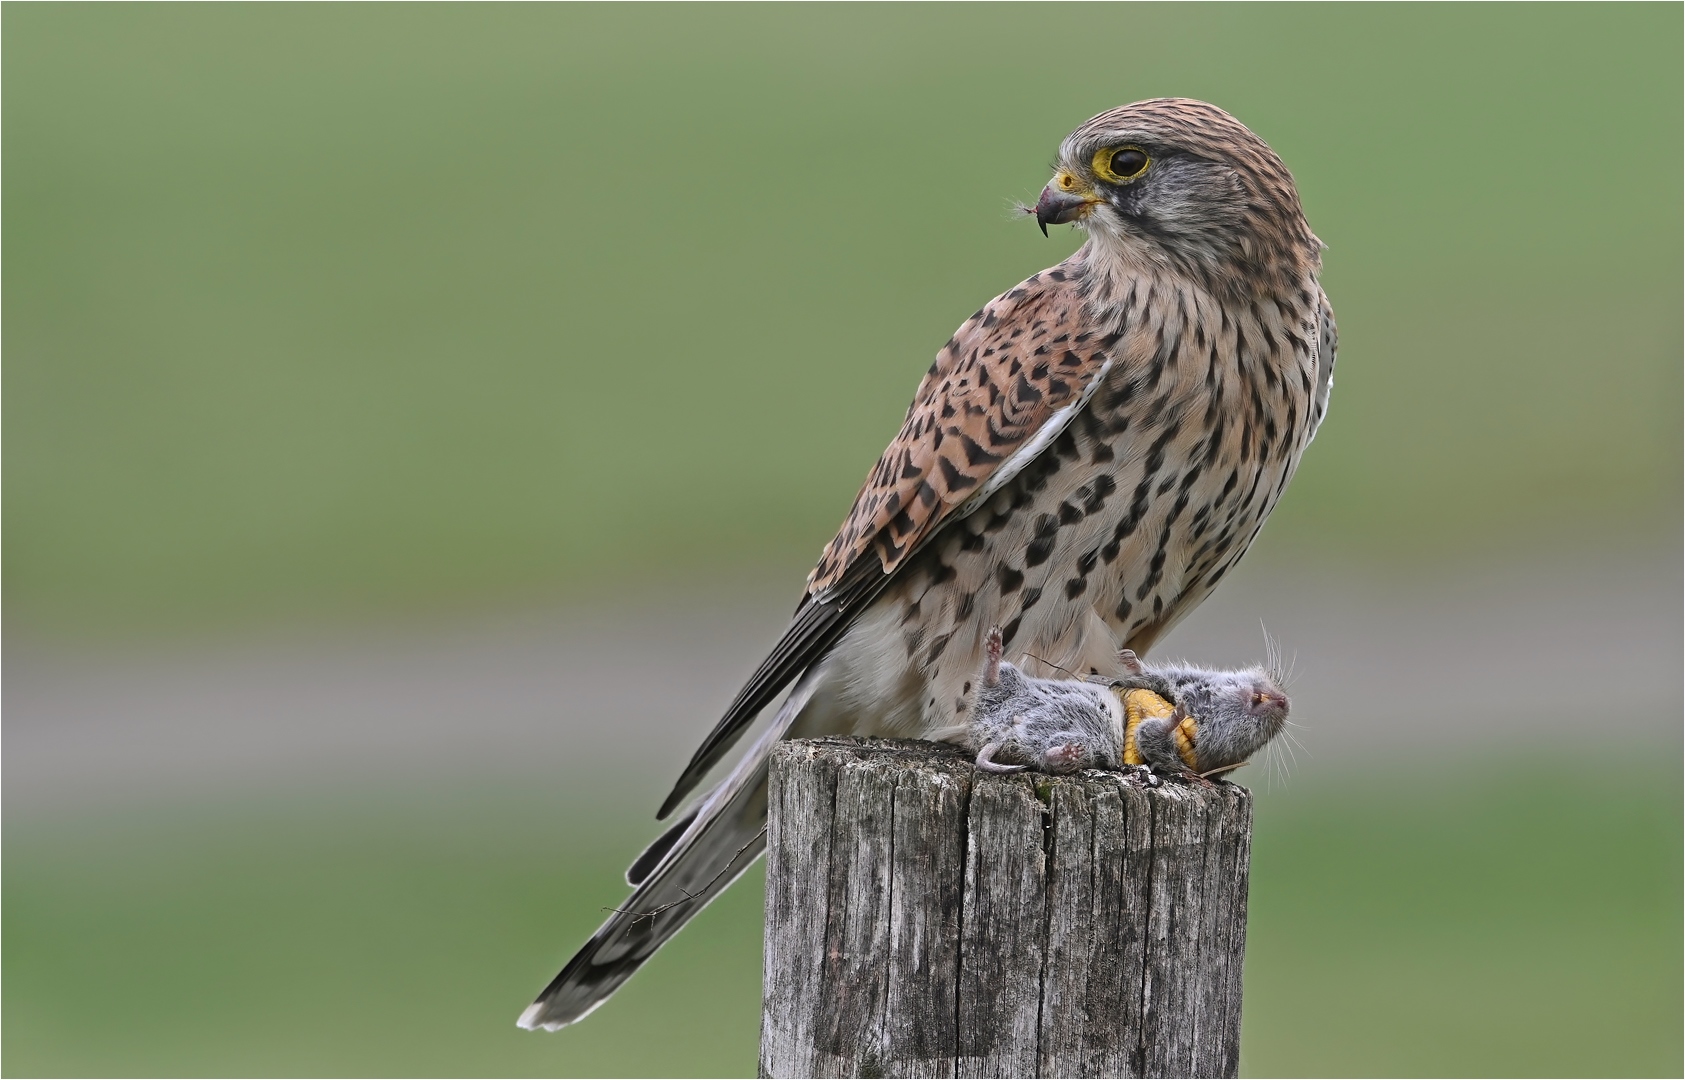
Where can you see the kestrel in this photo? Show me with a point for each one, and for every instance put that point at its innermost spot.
(1088, 456)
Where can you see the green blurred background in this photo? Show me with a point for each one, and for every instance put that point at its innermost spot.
(329, 322)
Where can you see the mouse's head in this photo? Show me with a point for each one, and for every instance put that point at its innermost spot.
(1264, 699)
(1238, 713)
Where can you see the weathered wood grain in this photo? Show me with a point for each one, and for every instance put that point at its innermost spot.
(923, 919)
(1003, 928)
(1096, 949)
(792, 983)
(928, 885)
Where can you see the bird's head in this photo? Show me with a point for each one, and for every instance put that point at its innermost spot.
(1179, 182)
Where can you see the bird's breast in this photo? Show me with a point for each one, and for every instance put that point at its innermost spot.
(1122, 525)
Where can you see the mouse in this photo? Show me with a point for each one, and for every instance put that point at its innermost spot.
(1050, 725)
(1180, 717)
(1175, 718)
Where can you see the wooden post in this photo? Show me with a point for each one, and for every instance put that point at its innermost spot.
(925, 919)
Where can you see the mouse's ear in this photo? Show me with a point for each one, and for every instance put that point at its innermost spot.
(991, 651)
(1131, 663)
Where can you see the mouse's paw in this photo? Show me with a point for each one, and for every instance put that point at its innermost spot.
(1067, 757)
(992, 649)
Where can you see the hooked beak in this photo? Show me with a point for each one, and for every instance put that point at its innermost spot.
(1065, 199)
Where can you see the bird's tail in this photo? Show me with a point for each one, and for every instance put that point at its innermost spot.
(723, 838)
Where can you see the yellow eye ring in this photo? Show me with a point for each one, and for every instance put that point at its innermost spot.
(1120, 164)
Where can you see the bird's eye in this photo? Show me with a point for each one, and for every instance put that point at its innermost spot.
(1120, 163)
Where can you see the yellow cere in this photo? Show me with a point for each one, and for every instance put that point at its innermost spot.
(1067, 182)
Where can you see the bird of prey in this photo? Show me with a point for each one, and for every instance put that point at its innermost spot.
(1088, 456)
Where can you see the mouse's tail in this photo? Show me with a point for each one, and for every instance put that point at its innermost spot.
(721, 840)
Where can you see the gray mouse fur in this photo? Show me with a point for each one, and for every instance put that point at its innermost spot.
(1050, 725)
(1064, 725)
(1236, 712)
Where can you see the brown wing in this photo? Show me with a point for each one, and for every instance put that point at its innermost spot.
(996, 390)
(1008, 371)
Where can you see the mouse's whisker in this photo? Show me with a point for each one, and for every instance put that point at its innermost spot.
(1284, 764)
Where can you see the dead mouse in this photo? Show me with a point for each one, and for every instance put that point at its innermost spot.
(1175, 717)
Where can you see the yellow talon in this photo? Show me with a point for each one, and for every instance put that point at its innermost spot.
(1139, 705)
(1187, 740)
